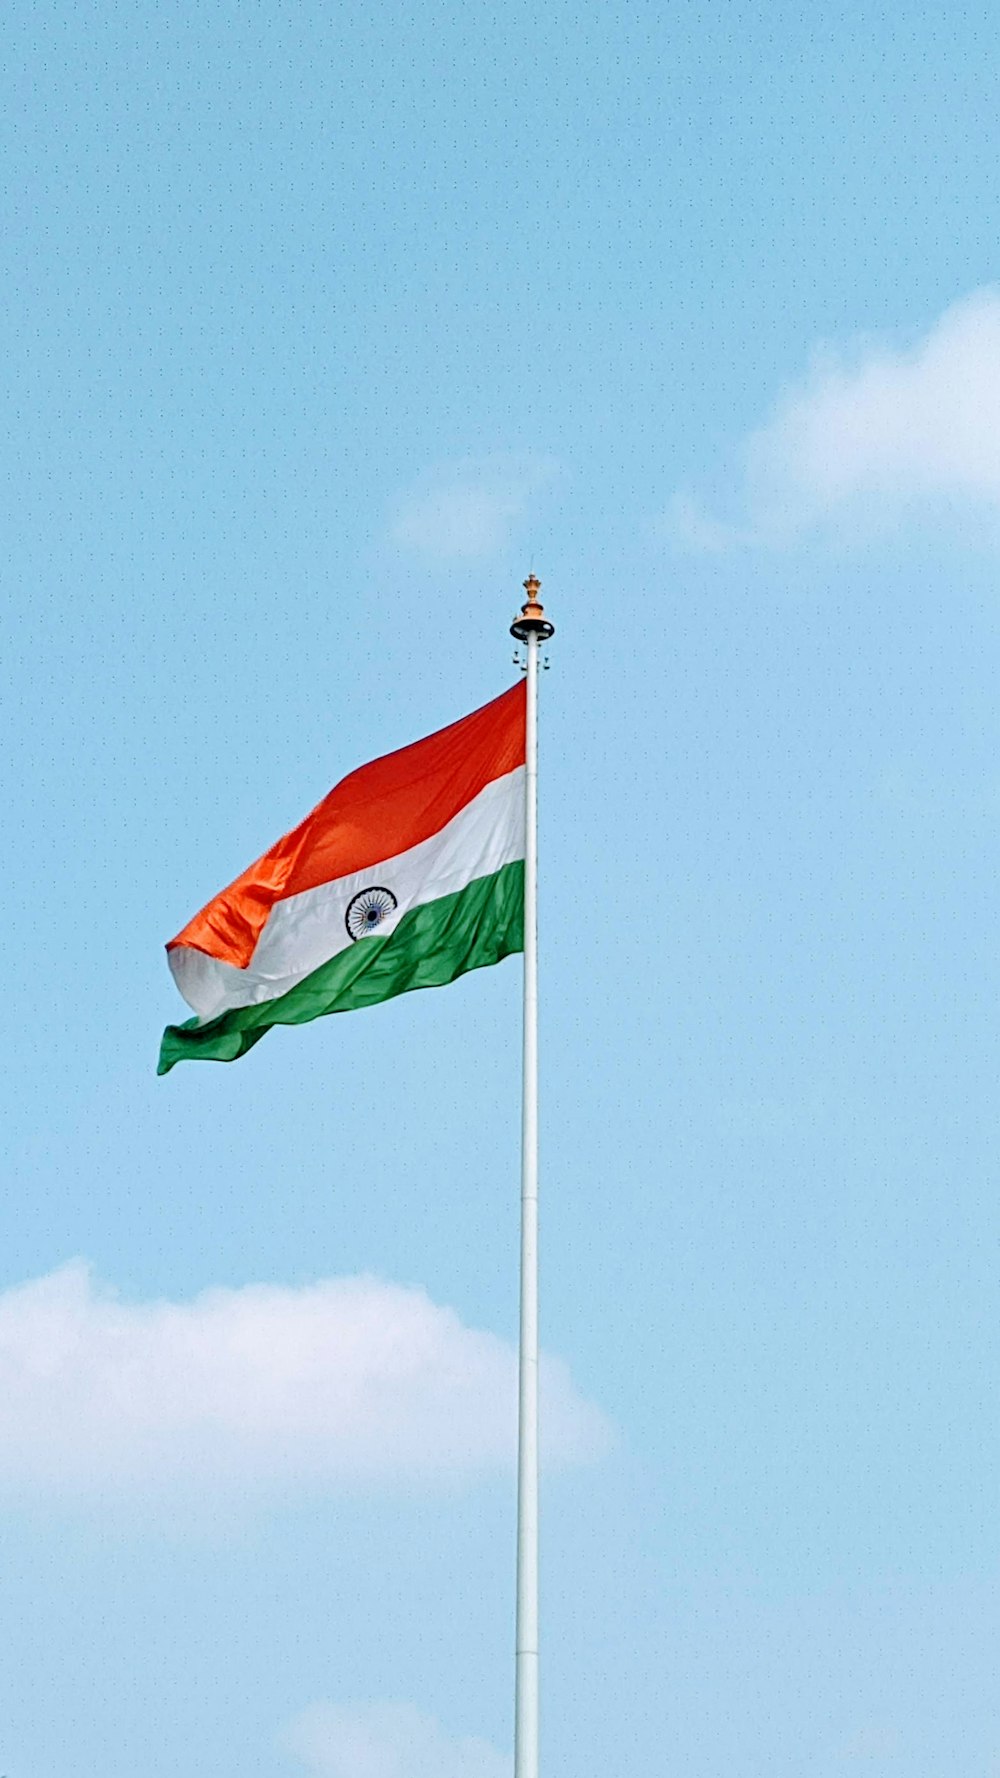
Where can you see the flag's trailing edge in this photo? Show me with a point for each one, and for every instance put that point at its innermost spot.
(408, 874)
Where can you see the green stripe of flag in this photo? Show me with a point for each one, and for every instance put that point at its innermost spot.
(432, 945)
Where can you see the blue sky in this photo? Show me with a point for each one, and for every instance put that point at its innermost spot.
(322, 328)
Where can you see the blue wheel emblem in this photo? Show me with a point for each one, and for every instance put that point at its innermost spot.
(368, 909)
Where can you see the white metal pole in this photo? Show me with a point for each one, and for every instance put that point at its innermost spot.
(526, 1690)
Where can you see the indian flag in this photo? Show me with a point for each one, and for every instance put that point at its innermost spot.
(408, 874)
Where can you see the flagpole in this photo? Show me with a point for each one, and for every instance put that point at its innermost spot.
(532, 628)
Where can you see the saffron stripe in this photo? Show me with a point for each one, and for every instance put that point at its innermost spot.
(379, 811)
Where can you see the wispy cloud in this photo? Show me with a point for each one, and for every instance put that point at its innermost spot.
(874, 1742)
(869, 434)
(469, 509)
(386, 1741)
(691, 524)
(348, 1381)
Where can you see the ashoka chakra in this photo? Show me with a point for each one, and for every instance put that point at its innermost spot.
(367, 910)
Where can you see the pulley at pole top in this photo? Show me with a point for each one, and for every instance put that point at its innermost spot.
(532, 621)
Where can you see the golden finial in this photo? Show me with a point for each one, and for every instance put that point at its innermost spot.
(532, 621)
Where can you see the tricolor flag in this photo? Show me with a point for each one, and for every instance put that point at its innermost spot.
(408, 874)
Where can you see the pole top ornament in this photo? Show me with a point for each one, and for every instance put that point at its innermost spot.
(532, 621)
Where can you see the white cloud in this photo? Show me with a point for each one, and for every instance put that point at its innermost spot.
(263, 1387)
(694, 528)
(870, 434)
(469, 509)
(386, 1741)
(876, 1741)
